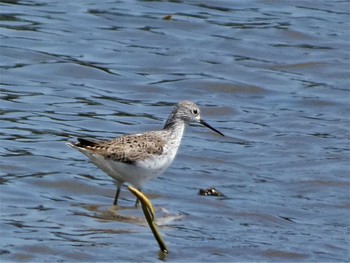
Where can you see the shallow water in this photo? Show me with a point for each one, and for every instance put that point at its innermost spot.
(272, 75)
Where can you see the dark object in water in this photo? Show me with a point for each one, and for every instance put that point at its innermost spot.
(210, 192)
(168, 17)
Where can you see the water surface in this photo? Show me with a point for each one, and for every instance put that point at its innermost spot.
(272, 75)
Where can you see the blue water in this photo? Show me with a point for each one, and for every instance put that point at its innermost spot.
(273, 76)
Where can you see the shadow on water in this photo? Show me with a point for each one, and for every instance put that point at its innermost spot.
(129, 215)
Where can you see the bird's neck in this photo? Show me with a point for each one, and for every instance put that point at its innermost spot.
(175, 127)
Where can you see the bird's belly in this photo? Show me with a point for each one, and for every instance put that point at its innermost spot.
(136, 173)
(155, 165)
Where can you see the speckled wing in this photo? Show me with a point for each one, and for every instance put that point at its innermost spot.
(128, 148)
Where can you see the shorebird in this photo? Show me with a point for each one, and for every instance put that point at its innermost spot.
(138, 158)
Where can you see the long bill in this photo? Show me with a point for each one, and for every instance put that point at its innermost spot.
(207, 125)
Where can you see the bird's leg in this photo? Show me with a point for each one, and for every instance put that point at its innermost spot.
(116, 195)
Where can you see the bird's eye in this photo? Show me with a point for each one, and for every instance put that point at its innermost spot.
(195, 111)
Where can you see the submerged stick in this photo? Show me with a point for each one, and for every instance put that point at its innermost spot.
(148, 211)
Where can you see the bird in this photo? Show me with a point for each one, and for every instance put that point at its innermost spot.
(138, 158)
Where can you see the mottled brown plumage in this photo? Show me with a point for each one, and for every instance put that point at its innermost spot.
(127, 148)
